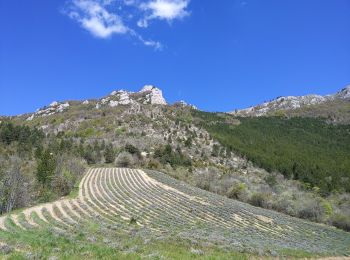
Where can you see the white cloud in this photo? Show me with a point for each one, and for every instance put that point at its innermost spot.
(96, 19)
(163, 10)
(167, 9)
(104, 18)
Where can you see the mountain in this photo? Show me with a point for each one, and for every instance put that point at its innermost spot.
(298, 104)
(297, 166)
(145, 120)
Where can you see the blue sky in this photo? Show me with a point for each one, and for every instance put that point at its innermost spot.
(217, 55)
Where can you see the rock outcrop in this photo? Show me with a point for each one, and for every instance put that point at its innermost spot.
(54, 108)
(291, 103)
(148, 95)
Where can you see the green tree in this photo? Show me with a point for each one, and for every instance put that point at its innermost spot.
(46, 168)
(132, 150)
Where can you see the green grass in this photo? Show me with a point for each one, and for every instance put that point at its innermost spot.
(44, 243)
(295, 253)
(77, 243)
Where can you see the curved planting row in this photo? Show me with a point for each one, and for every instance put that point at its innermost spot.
(120, 197)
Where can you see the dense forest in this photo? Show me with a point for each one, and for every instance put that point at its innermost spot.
(304, 149)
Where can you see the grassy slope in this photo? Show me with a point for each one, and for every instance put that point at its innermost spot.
(306, 149)
(94, 242)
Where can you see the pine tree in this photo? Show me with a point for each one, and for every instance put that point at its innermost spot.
(46, 168)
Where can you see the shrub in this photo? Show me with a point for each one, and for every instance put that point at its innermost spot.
(207, 179)
(153, 164)
(312, 210)
(124, 159)
(261, 199)
(285, 205)
(341, 221)
(237, 191)
(327, 207)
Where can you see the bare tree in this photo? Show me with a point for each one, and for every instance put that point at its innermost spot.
(13, 188)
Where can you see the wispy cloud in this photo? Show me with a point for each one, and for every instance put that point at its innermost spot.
(105, 18)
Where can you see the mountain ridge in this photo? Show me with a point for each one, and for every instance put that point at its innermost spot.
(148, 95)
(152, 95)
(287, 103)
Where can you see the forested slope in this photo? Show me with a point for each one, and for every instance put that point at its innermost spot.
(306, 149)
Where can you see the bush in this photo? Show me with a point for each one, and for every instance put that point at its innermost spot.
(312, 210)
(327, 207)
(124, 159)
(153, 164)
(237, 191)
(341, 221)
(285, 202)
(261, 200)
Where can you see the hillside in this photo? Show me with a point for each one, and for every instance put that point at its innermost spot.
(125, 213)
(268, 162)
(309, 150)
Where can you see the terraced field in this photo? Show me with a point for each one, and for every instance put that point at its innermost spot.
(123, 202)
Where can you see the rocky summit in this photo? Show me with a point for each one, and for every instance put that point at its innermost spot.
(149, 94)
